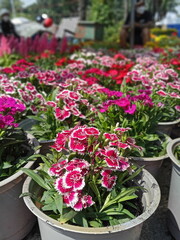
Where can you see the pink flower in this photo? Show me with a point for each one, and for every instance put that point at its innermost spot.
(111, 136)
(75, 111)
(57, 168)
(112, 158)
(119, 144)
(174, 95)
(131, 109)
(60, 142)
(122, 129)
(162, 93)
(59, 185)
(108, 181)
(62, 114)
(77, 145)
(83, 202)
(70, 198)
(91, 131)
(74, 180)
(74, 96)
(51, 103)
(177, 108)
(132, 142)
(79, 134)
(77, 164)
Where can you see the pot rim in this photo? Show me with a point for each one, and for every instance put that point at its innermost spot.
(150, 209)
(47, 141)
(170, 150)
(20, 172)
(169, 123)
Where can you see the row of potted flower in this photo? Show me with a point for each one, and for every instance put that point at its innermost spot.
(98, 118)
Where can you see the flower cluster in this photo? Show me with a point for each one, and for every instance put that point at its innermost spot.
(9, 110)
(90, 156)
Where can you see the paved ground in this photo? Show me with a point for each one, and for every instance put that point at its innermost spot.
(155, 227)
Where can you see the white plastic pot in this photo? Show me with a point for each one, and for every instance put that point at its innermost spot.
(52, 229)
(174, 192)
(16, 220)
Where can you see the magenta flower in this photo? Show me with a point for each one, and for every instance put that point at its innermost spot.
(122, 129)
(57, 168)
(108, 181)
(59, 185)
(162, 93)
(71, 198)
(79, 134)
(119, 144)
(51, 103)
(74, 95)
(111, 136)
(77, 145)
(77, 164)
(112, 158)
(92, 131)
(177, 108)
(83, 202)
(74, 180)
(62, 114)
(131, 109)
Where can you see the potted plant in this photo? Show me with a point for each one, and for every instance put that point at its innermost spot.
(69, 104)
(90, 190)
(138, 113)
(173, 150)
(15, 152)
(163, 82)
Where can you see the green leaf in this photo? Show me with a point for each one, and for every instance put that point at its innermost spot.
(128, 213)
(40, 119)
(95, 224)
(59, 203)
(67, 216)
(95, 189)
(36, 178)
(132, 176)
(151, 137)
(6, 165)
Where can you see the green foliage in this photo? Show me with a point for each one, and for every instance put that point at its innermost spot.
(118, 207)
(14, 152)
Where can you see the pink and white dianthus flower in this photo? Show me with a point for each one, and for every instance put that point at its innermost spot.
(77, 145)
(91, 131)
(83, 202)
(119, 144)
(79, 134)
(62, 114)
(57, 168)
(74, 179)
(122, 129)
(60, 187)
(108, 181)
(77, 164)
(111, 136)
(177, 107)
(162, 93)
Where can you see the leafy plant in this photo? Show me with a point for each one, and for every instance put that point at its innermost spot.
(88, 180)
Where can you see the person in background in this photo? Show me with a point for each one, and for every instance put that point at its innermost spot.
(7, 27)
(142, 24)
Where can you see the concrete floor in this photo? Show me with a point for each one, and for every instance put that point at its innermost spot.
(155, 227)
